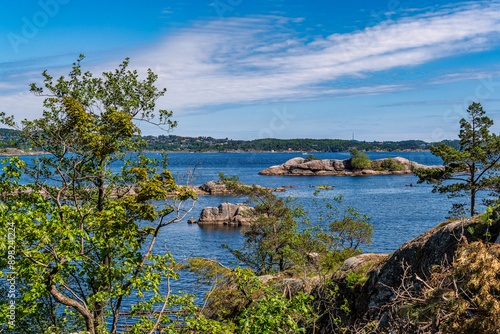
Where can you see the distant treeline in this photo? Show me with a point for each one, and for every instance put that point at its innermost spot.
(322, 145)
(205, 144)
(8, 137)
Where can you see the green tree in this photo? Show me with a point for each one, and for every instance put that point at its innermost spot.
(87, 216)
(282, 236)
(269, 239)
(392, 165)
(359, 160)
(347, 230)
(473, 167)
(311, 157)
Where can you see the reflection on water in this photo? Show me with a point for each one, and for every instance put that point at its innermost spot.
(229, 230)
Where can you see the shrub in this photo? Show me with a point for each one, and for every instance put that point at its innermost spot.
(311, 157)
(359, 160)
(392, 165)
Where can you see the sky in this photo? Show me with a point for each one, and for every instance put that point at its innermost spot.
(241, 69)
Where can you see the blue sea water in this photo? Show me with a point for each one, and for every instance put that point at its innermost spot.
(399, 213)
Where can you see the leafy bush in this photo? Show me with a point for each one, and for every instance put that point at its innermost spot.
(359, 160)
(392, 165)
(273, 311)
(228, 179)
(311, 157)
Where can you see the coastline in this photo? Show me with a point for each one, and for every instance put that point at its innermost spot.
(12, 152)
(283, 151)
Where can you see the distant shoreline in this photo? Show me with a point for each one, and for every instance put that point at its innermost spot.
(13, 152)
(286, 151)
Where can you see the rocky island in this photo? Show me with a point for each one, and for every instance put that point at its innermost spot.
(301, 167)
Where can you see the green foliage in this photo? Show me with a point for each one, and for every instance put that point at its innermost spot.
(281, 242)
(391, 165)
(269, 240)
(272, 311)
(359, 160)
(282, 237)
(228, 180)
(242, 302)
(347, 230)
(354, 278)
(84, 240)
(311, 157)
(473, 167)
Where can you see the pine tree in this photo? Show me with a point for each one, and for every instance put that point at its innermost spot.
(473, 166)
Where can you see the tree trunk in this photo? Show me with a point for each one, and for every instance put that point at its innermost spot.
(106, 261)
(59, 297)
(473, 203)
(473, 190)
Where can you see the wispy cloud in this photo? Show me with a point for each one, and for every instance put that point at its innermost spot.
(21, 105)
(432, 102)
(259, 59)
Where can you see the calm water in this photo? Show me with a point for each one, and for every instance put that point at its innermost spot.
(399, 213)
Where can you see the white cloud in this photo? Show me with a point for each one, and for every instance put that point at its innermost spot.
(263, 59)
(21, 105)
(259, 59)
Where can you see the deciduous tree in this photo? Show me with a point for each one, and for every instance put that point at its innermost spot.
(87, 216)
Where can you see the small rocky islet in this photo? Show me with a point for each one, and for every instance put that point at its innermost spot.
(334, 167)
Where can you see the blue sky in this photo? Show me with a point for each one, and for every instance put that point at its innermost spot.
(383, 70)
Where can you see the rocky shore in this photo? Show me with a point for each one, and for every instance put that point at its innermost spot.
(14, 152)
(211, 188)
(299, 167)
(219, 188)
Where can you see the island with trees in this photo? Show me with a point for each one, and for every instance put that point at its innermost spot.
(357, 165)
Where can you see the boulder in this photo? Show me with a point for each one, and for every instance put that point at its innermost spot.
(338, 165)
(214, 187)
(273, 170)
(313, 165)
(293, 163)
(226, 214)
(313, 258)
(209, 214)
(243, 215)
(355, 262)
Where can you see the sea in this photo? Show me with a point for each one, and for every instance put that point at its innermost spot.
(398, 212)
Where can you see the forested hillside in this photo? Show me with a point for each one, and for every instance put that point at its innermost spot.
(209, 144)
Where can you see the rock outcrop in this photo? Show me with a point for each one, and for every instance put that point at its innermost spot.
(218, 188)
(227, 214)
(413, 259)
(335, 167)
(10, 151)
